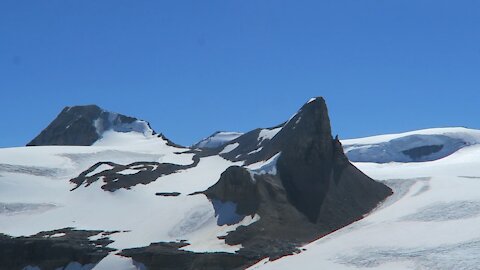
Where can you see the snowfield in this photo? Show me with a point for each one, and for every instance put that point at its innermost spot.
(35, 195)
(421, 145)
(431, 221)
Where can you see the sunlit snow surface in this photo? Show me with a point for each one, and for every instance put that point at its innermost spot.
(431, 222)
(268, 134)
(428, 144)
(35, 195)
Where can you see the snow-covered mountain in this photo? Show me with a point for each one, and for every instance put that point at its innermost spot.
(126, 198)
(85, 125)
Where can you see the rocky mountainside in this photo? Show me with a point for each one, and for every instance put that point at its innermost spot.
(223, 205)
(84, 125)
(313, 191)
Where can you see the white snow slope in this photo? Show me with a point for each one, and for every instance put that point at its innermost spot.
(35, 195)
(436, 143)
(431, 221)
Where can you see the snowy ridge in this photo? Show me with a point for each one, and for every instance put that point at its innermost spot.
(55, 207)
(113, 121)
(422, 145)
(217, 139)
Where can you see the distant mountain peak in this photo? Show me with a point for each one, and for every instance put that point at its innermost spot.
(85, 124)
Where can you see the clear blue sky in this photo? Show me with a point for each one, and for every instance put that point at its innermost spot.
(193, 67)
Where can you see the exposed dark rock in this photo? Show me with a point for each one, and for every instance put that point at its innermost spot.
(168, 194)
(236, 185)
(49, 253)
(281, 228)
(168, 256)
(71, 122)
(84, 125)
(248, 144)
(418, 152)
(113, 179)
(316, 190)
(408, 148)
(169, 142)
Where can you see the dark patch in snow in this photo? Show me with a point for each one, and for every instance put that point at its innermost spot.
(412, 148)
(169, 256)
(144, 173)
(46, 250)
(168, 194)
(417, 153)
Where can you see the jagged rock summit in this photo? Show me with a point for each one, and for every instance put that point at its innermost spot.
(84, 125)
(309, 190)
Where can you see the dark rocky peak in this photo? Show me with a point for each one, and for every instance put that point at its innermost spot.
(313, 191)
(307, 132)
(84, 125)
(310, 123)
(312, 167)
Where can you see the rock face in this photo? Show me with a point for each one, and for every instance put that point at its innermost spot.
(84, 125)
(317, 176)
(140, 173)
(315, 191)
(236, 185)
(60, 249)
(170, 256)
